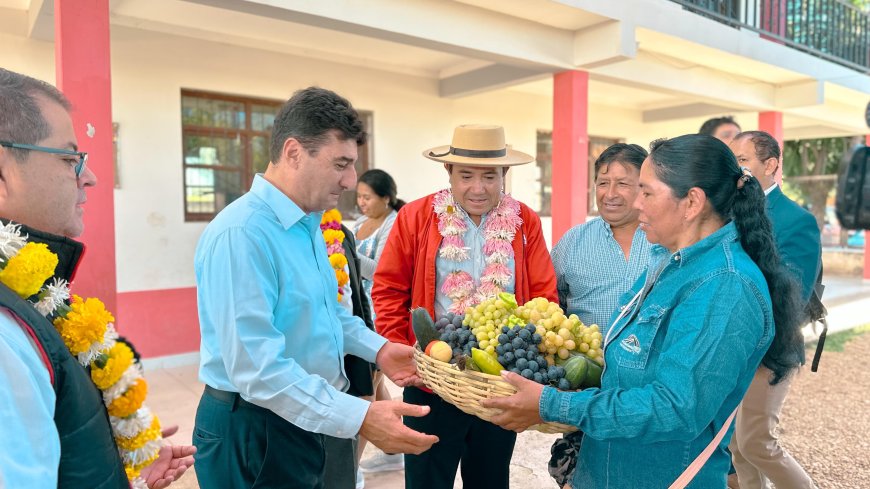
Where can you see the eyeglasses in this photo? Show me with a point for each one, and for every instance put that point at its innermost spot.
(79, 166)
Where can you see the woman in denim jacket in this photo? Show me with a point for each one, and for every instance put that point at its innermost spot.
(690, 335)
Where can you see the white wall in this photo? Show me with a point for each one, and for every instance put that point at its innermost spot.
(155, 246)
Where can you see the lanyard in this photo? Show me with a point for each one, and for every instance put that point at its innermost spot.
(625, 310)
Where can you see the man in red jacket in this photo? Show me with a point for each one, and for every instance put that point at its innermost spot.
(449, 250)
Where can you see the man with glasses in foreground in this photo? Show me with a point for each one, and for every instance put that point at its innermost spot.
(78, 163)
(49, 403)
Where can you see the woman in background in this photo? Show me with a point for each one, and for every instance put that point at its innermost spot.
(376, 198)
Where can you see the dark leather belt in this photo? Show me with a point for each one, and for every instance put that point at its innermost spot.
(231, 398)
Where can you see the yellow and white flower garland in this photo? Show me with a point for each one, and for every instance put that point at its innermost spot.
(330, 225)
(88, 331)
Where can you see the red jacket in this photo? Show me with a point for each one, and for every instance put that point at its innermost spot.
(405, 277)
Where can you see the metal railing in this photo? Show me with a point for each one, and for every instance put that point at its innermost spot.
(831, 29)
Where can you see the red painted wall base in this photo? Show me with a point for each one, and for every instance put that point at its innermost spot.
(159, 322)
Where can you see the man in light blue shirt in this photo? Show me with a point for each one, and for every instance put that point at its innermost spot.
(597, 261)
(273, 334)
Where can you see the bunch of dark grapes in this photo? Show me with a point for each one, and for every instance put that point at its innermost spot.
(456, 335)
(518, 352)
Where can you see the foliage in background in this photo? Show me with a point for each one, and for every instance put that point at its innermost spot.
(810, 167)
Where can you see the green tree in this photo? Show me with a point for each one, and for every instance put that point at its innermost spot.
(811, 166)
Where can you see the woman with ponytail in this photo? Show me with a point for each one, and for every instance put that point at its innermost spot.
(687, 339)
(758, 456)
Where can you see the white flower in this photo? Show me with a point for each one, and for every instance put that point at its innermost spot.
(454, 253)
(143, 453)
(138, 483)
(134, 424)
(11, 241)
(53, 295)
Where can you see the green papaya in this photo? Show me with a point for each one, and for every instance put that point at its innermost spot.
(424, 328)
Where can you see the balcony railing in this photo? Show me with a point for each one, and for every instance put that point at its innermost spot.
(830, 29)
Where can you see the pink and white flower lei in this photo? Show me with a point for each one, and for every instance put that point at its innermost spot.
(498, 231)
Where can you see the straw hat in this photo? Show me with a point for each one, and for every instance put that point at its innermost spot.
(478, 145)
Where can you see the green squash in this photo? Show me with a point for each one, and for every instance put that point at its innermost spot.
(424, 328)
(575, 370)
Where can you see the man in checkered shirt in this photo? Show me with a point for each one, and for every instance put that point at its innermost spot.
(596, 262)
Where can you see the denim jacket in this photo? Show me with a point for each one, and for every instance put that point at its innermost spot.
(677, 364)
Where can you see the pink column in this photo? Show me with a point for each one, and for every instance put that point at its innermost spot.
(773, 14)
(771, 123)
(83, 74)
(867, 236)
(570, 150)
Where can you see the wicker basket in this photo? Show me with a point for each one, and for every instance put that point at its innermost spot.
(466, 388)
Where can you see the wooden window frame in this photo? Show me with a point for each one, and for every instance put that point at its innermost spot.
(246, 134)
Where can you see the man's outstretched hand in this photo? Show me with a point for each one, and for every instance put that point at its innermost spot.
(397, 362)
(170, 465)
(383, 427)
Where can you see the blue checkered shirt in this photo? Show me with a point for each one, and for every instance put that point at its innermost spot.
(592, 272)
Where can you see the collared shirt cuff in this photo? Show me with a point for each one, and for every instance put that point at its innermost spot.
(350, 415)
(372, 344)
(555, 406)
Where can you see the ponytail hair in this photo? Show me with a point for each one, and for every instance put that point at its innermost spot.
(786, 352)
(705, 162)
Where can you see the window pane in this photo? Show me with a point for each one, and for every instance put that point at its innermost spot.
(263, 117)
(208, 191)
(260, 153)
(213, 113)
(212, 150)
(199, 186)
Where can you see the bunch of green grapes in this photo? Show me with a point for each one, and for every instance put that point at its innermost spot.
(553, 326)
(561, 334)
(487, 318)
(589, 342)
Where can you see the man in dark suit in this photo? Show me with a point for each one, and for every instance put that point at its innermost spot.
(758, 456)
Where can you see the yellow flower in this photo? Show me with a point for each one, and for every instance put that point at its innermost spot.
(342, 278)
(138, 441)
(29, 269)
(84, 325)
(332, 235)
(338, 261)
(330, 216)
(129, 402)
(120, 357)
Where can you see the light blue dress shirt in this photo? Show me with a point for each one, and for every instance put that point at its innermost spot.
(29, 443)
(475, 264)
(272, 329)
(592, 271)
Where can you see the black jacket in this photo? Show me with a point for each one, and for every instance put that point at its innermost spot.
(359, 372)
(89, 458)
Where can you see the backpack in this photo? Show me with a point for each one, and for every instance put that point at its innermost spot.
(816, 312)
(853, 192)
